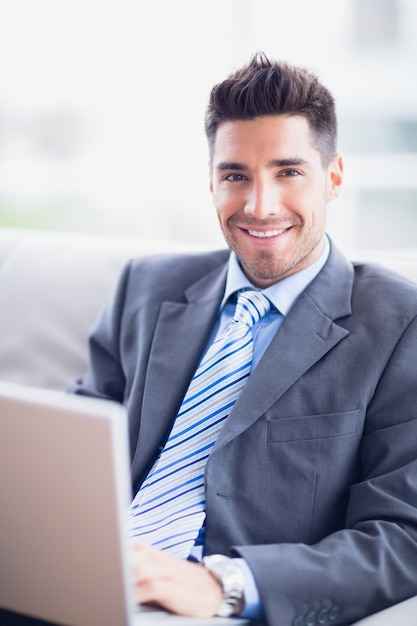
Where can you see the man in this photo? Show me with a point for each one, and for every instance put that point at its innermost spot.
(309, 484)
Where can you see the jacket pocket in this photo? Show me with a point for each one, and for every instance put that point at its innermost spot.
(313, 426)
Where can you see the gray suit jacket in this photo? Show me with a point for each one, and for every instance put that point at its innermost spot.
(313, 479)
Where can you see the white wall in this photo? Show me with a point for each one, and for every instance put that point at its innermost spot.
(102, 105)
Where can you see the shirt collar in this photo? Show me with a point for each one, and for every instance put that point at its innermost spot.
(283, 293)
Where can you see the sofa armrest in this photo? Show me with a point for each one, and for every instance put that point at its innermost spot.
(401, 614)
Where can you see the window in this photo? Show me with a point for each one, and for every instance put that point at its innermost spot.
(376, 22)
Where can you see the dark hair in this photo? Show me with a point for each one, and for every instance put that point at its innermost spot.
(268, 87)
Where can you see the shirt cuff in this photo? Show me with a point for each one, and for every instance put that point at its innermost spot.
(252, 601)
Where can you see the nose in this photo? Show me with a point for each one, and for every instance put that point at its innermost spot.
(262, 200)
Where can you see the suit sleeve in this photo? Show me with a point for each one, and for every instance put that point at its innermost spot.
(372, 562)
(105, 377)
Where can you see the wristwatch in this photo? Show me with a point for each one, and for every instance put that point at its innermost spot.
(231, 578)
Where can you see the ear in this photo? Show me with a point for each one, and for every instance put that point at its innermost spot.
(335, 177)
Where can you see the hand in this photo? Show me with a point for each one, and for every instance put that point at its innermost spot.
(182, 587)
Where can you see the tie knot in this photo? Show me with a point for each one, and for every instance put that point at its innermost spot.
(250, 307)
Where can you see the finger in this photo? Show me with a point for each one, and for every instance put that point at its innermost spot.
(179, 586)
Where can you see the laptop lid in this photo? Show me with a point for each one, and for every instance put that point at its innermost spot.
(64, 492)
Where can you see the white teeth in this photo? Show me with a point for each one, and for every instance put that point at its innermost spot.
(268, 233)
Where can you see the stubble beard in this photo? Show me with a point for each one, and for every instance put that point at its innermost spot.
(265, 267)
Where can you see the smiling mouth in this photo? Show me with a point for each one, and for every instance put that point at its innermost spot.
(265, 234)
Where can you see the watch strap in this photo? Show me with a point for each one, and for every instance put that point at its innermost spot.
(230, 575)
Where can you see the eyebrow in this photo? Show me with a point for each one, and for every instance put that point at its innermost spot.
(235, 166)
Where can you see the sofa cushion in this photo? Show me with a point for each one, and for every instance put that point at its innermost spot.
(52, 287)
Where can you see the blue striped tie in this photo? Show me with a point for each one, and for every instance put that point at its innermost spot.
(169, 509)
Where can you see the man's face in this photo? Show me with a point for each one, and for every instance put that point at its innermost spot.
(270, 190)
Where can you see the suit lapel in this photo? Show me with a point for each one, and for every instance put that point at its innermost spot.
(181, 333)
(306, 335)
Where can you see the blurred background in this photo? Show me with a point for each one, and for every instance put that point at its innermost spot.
(102, 105)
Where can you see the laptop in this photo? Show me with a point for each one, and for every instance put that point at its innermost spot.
(64, 492)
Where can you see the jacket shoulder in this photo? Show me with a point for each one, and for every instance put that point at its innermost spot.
(380, 276)
(173, 273)
(375, 283)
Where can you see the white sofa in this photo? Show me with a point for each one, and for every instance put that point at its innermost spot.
(52, 286)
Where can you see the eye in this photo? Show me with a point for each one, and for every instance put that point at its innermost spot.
(234, 177)
(289, 173)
